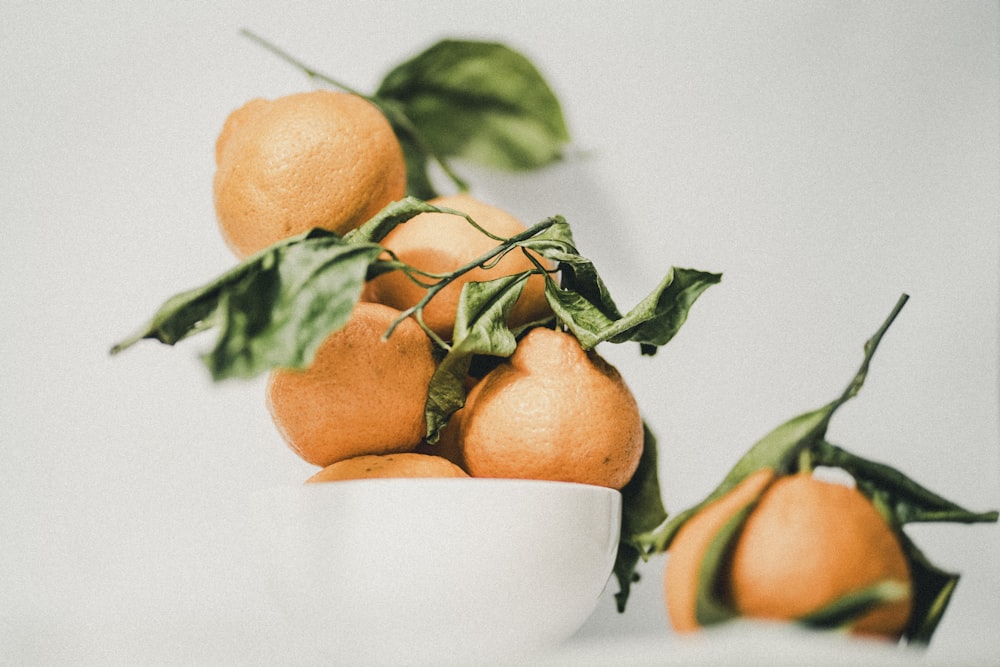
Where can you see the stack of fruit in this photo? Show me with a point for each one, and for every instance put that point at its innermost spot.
(554, 411)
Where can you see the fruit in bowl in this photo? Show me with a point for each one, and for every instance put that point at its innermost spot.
(410, 333)
(435, 570)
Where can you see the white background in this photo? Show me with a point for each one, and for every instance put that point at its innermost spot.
(825, 156)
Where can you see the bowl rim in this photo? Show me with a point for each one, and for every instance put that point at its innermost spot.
(472, 482)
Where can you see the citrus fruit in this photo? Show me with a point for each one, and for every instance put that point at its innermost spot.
(361, 394)
(552, 411)
(314, 159)
(371, 466)
(806, 544)
(443, 242)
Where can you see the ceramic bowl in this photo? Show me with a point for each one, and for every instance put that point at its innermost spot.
(434, 571)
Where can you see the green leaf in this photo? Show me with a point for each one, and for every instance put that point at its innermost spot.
(642, 504)
(773, 451)
(626, 562)
(842, 612)
(932, 591)
(481, 101)
(583, 299)
(584, 304)
(904, 500)
(272, 310)
(416, 153)
(480, 329)
(656, 319)
(642, 512)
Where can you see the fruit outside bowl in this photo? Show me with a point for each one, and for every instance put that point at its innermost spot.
(435, 571)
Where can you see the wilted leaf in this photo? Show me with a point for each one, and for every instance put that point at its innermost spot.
(272, 310)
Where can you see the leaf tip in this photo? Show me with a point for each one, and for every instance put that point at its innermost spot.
(126, 343)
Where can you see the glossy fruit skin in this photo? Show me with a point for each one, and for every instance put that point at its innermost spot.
(805, 543)
(361, 394)
(314, 159)
(553, 412)
(443, 242)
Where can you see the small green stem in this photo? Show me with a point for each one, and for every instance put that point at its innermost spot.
(309, 71)
(485, 232)
(402, 121)
(805, 460)
(505, 246)
(870, 345)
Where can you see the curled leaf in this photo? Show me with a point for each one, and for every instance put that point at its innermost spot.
(584, 304)
(392, 215)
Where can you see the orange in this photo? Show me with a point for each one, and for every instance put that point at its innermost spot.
(373, 466)
(315, 159)
(806, 544)
(553, 411)
(443, 242)
(361, 394)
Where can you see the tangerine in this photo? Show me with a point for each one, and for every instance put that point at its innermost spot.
(373, 466)
(314, 159)
(362, 394)
(552, 411)
(805, 544)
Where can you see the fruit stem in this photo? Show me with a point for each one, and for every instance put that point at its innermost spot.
(870, 345)
(805, 460)
(398, 118)
(483, 261)
(287, 57)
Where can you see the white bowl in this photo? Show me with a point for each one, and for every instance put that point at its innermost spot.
(438, 570)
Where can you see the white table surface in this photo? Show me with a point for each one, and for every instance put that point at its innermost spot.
(825, 156)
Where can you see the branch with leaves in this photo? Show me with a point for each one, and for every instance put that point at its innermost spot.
(798, 446)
